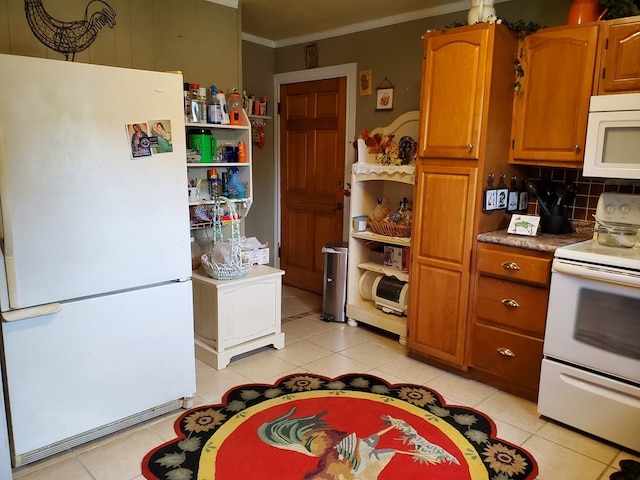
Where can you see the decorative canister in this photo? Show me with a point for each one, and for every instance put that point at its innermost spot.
(583, 11)
(480, 11)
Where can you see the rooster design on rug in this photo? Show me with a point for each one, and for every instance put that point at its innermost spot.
(68, 38)
(343, 455)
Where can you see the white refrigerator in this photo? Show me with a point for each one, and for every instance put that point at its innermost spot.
(95, 277)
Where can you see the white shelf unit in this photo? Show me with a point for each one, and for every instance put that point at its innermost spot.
(224, 134)
(369, 181)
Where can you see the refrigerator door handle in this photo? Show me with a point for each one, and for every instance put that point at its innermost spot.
(31, 312)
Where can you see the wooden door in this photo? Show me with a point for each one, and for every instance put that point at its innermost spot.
(551, 108)
(620, 49)
(312, 161)
(453, 79)
(444, 209)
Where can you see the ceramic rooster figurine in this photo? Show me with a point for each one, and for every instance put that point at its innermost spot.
(69, 38)
(343, 455)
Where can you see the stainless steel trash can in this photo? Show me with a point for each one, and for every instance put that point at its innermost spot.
(334, 291)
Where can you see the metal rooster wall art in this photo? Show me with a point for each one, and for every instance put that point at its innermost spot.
(69, 38)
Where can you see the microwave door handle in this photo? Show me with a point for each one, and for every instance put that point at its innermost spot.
(31, 312)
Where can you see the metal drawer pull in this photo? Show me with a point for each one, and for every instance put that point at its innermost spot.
(510, 266)
(505, 352)
(470, 146)
(508, 302)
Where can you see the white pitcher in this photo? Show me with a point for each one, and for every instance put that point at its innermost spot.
(480, 11)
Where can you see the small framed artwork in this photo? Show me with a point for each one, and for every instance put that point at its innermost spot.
(365, 82)
(524, 225)
(384, 99)
(311, 55)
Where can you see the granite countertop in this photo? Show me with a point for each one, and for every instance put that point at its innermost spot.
(544, 242)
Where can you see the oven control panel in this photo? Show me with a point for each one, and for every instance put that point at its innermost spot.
(618, 208)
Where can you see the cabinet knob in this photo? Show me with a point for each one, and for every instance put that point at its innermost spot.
(576, 148)
(510, 266)
(506, 352)
(470, 146)
(508, 302)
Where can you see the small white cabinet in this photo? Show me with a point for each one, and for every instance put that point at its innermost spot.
(237, 316)
(369, 181)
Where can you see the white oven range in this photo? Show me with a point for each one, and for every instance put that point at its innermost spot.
(590, 375)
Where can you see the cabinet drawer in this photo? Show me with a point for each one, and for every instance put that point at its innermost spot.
(521, 358)
(514, 264)
(512, 305)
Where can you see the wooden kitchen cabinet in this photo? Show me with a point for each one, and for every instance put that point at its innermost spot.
(550, 109)
(476, 63)
(451, 110)
(619, 51)
(440, 267)
(509, 314)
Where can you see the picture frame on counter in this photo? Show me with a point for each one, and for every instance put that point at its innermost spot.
(527, 225)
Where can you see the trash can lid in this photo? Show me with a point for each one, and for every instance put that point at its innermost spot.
(336, 246)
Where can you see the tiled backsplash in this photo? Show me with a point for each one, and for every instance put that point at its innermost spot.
(587, 190)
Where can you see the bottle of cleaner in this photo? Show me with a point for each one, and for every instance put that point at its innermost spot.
(223, 104)
(235, 187)
(214, 110)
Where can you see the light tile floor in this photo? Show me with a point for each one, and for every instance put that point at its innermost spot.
(332, 349)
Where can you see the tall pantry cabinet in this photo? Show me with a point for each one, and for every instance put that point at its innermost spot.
(465, 122)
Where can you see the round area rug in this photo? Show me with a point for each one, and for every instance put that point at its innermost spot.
(355, 426)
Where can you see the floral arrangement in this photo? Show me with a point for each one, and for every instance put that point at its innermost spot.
(384, 147)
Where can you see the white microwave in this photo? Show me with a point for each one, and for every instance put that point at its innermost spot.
(612, 148)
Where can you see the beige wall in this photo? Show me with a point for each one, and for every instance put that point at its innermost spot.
(199, 38)
(257, 65)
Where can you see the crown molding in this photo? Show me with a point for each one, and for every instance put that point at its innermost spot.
(452, 7)
(226, 3)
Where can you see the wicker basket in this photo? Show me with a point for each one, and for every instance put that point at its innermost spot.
(238, 267)
(389, 229)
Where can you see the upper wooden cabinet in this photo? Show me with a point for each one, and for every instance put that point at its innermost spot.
(551, 108)
(454, 71)
(619, 56)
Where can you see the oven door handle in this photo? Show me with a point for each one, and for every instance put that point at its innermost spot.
(596, 272)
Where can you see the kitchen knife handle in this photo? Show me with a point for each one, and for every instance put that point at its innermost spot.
(510, 266)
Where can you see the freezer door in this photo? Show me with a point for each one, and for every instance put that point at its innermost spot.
(97, 361)
(81, 215)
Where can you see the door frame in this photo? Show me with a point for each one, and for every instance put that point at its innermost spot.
(348, 70)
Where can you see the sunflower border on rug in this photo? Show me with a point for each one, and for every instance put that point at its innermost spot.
(179, 459)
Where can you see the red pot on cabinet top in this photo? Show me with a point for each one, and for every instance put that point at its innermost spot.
(583, 11)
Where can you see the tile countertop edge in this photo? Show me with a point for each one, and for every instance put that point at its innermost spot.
(544, 242)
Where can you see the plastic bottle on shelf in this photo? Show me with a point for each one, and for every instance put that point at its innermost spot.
(214, 109)
(235, 186)
(187, 102)
(223, 105)
(242, 153)
(235, 107)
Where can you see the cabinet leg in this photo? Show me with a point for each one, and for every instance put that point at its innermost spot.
(351, 322)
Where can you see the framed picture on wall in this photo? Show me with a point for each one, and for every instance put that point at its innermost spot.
(365, 82)
(384, 100)
(311, 52)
